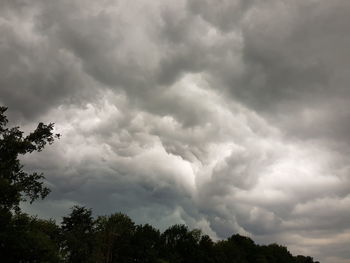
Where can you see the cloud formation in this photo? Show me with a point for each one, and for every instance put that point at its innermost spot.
(230, 116)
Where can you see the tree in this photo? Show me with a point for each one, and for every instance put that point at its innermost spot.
(78, 235)
(206, 248)
(114, 236)
(180, 244)
(29, 239)
(303, 259)
(145, 243)
(21, 237)
(15, 184)
(277, 254)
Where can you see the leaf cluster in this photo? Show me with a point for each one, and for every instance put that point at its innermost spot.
(16, 185)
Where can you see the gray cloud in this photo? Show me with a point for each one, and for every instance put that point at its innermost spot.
(230, 116)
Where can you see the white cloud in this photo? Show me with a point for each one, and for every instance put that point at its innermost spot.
(225, 115)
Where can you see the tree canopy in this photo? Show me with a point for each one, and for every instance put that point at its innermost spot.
(23, 238)
(16, 185)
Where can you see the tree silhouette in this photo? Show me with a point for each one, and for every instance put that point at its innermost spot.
(78, 235)
(22, 238)
(15, 184)
(114, 234)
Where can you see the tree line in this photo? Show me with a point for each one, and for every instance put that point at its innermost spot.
(116, 238)
(82, 238)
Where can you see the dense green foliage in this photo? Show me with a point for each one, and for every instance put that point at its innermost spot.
(106, 239)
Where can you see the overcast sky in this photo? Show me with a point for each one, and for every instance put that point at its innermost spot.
(226, 115)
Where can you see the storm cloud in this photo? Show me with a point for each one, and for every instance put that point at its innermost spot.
(230, 116)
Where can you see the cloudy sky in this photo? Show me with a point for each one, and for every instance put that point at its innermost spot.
(226, 115)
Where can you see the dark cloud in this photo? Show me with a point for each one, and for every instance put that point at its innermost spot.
(298, 66)
(224, 15)
(35, 74)
(230, 116)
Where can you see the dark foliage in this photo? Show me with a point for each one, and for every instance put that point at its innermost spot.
(23, 238)
(77, 231)
(145, 244)
(114, 235)
(15, 184)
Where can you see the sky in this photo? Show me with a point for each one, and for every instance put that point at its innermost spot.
(231, 116)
